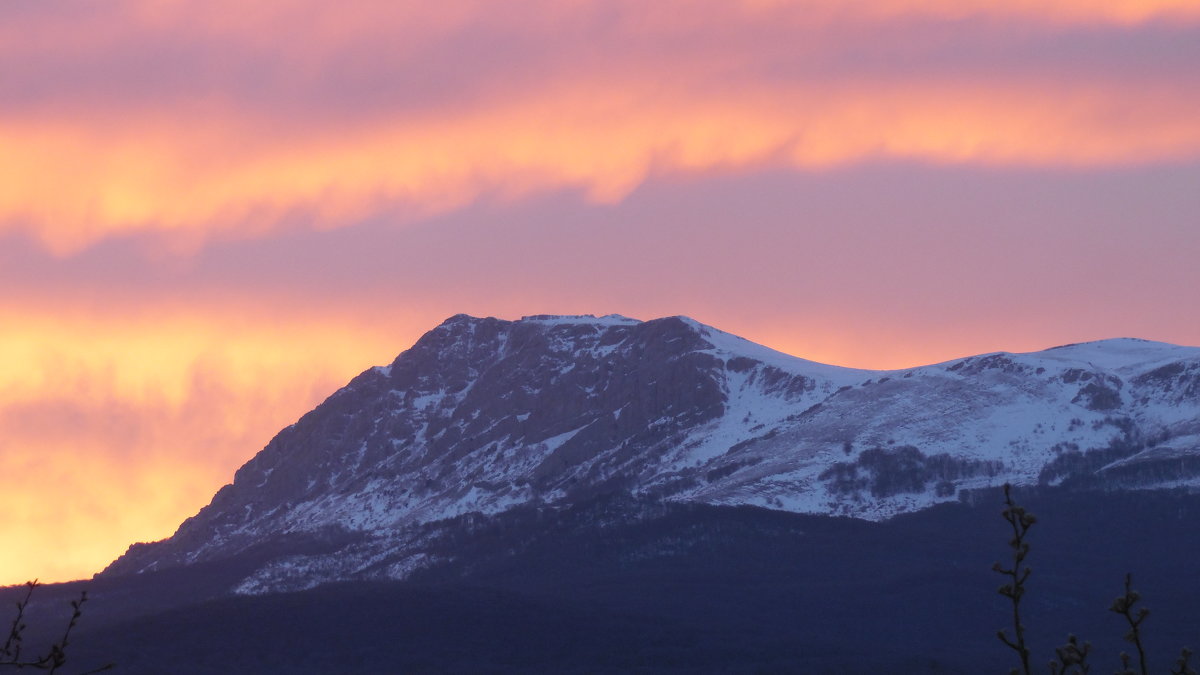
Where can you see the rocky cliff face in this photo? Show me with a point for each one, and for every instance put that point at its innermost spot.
(482, 416)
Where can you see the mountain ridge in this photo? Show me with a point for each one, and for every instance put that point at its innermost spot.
(484, 415)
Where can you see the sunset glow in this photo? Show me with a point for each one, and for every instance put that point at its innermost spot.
(213, 214)
(118, 429)
(606, 142)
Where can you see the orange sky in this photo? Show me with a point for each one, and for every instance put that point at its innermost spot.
(212, 214)
(215, 152)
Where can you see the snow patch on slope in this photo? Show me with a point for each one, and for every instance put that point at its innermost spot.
(1118, 354)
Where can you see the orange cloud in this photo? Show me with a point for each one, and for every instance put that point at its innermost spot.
(117, 427)
(72, 185)
(303, 112)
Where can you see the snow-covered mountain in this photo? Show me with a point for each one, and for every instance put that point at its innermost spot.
(482, 416)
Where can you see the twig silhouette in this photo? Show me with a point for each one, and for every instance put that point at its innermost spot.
(1181, 666)
(1021, 521)
(56, 655)
(1072, 654)
(1123, 605)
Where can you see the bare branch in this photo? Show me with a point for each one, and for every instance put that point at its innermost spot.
(1020, 521)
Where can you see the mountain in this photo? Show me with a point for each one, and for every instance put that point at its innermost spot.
(485, 422)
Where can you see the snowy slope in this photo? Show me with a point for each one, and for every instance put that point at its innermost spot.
(483, 415)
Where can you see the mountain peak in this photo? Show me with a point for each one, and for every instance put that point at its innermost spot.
(484, 415)
(550, 319)
(592, 319)
(1119, 354)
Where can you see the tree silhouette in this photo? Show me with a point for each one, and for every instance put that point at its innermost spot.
(12, 654)
(1071, 658)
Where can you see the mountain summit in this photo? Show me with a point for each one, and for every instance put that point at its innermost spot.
(483, 416)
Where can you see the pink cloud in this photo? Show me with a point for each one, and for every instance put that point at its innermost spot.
(207, 122)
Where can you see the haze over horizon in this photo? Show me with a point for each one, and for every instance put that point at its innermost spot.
(212, 215)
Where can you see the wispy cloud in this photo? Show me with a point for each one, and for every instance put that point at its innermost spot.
(205, 120)
(117, 425)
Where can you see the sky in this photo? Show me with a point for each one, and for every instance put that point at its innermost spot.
(214, 213)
